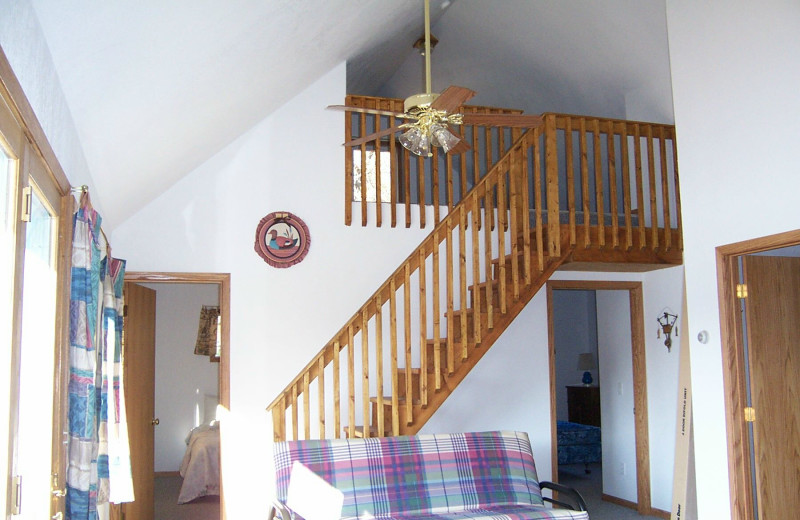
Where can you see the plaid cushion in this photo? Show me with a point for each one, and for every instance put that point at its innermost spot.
(517, 512)
(465, 476)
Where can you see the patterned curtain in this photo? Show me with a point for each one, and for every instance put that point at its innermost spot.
(207, 335)
(95, 384)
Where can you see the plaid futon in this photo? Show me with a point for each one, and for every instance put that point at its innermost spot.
(463, 476)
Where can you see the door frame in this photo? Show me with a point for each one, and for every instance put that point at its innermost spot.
(223, 280)
(635, 292)
(733, 363)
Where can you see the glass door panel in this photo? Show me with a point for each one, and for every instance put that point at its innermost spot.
(8, 179)
(37, 354)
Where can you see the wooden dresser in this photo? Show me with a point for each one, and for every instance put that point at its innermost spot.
(583, 404)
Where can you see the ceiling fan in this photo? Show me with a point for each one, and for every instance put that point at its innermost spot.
(429, 117)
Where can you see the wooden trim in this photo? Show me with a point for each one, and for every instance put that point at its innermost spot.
(733, 363)
(61, 361)
(640, 399)
(639, 376)
(223, 280)
(619, 501)
(166, 474)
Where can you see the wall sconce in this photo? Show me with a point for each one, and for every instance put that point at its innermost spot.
(667, 325)
(586, 363)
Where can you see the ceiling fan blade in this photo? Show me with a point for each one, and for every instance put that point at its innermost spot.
(461, 147)
(510, 120)
(346, 108)
(452, 98)
(373, 136)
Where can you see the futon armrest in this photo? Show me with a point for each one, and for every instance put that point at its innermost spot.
(279, 510)
(576, 500)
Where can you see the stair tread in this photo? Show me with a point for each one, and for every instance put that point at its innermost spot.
(459, 312)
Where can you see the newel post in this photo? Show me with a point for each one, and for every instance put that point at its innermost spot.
(551, 172)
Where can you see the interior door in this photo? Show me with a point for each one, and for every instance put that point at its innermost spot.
(139, 352)
(772, 314)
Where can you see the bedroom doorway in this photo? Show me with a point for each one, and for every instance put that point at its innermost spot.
(181, 296)
(615, 355)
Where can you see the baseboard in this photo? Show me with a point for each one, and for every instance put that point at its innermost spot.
(633, 505)
(167, 474)
(620, 502)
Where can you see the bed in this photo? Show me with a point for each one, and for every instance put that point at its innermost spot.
(578, 443)
(200, 466)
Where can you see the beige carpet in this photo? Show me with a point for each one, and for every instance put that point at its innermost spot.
(166, 494)
(591, 489)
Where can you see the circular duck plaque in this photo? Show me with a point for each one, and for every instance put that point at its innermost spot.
(282, 239)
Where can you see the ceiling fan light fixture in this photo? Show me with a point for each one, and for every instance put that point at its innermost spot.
(416, 141)
(442, 136)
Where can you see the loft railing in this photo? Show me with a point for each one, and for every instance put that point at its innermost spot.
(584, 153)
(574, 185)
(401, 179)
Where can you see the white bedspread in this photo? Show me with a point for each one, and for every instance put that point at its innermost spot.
(200, 466)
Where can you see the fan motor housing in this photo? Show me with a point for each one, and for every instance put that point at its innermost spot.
(419, 100)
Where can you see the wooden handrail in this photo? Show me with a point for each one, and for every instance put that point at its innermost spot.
(539, 200)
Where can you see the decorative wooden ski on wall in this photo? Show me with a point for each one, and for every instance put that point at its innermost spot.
(684, 493)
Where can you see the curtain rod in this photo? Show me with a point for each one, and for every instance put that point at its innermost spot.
(83, 189)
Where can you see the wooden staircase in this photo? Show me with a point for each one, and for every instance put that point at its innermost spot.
(394, 363)
(439, 373)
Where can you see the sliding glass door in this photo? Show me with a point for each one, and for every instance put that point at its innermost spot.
(32, 323)
(37, 360)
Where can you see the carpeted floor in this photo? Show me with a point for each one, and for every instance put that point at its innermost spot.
(166, 494)
(590, 486)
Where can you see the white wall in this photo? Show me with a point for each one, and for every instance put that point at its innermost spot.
(734, 77)
(616, 394)
(25, 47)
(574, 332)
(182, 378)
(280, 318)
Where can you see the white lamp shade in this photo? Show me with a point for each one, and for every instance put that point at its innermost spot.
(586, 361)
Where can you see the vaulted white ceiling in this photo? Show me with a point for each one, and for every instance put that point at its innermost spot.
(155, 88)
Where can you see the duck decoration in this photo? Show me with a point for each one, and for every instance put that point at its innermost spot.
(282, 239)
(283, 242)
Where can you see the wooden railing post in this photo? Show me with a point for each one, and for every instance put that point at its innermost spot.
(279, 422)
(551, 169)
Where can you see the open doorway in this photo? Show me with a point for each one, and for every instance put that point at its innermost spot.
(605, 320)
(166, 311)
